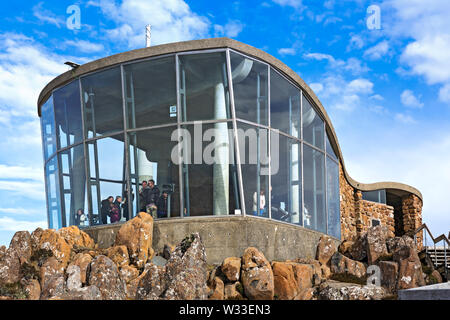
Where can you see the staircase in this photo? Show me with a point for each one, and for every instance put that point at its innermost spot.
(439, 256)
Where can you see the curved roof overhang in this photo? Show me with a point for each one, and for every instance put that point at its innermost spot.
(214, 43)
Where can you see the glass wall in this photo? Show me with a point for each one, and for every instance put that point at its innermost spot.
(375, 196)
(179, 134)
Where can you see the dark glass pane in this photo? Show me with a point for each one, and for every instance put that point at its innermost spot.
(204, 87)
(209, 170)
(53, 194)
(102, 102)
(68, 114)
(333, 198)
(286, 180)
(375, 196)
(254, 157)
(151, 159)
(48, 129)
(314, 211)
(151, 94)
(330, 150)
(284, 105)
(250, 88)
(313, 128)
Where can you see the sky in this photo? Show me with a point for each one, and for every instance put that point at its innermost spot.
(385, 83)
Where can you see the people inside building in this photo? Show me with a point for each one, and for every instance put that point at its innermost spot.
(125, 202)
(105, 209)
(80, 217)
(152, 198)
(143, 192)
(262, 203)
(162, 205)
(115, 210)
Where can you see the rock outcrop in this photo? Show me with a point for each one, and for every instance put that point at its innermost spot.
(257, 276)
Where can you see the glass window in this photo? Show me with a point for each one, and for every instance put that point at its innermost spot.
(330, 150)
(48, 128)
(53, 194)
(68, 114)
(106, 175)
(250, 88)
(333, 198)
(73, 177)
(204, 87)
(151, 159)
(286, 179)
(151, 94)
(375, 196)
(284, 105)
(314, 214)
(313, 128)
(209, 170)
(254, 156)
(102, 102)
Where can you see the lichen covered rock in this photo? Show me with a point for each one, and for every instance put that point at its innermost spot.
(104, 275)
(257, 275)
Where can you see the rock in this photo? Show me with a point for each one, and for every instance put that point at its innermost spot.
(409, 268)
(52, 278)
(186, 270)
(217, 289)
(53, 241)
(21, 244)
(257, 276)
(393, 244)
(104, 275)
(233, 291)
(137, 235)
(85, 293)
(231, 268)
(167, 251)
(325, 249)
(119, 255)
(285, 283)
(316, 268)
(83, 261)
(36, 238)
(376, 244)
(153, 284)
(304, 275)
(358, 251)
(389, 273)
(341, 264)
(132, 286)
(159, 261)
(32, 288)
(345, 247)
(436, 275)
(73, 278)
(76, 238)
(9, 267)
(305, 294)
(128, 273)
(333, 290)
(2, 252)
(326, 271)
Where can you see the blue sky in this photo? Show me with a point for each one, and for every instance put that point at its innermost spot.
(386, 90)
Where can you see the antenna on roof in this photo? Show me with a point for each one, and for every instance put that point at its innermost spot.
(148, 35)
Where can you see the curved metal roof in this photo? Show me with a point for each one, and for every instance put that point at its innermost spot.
(213, 43)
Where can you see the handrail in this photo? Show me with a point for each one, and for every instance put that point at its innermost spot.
(435, 240)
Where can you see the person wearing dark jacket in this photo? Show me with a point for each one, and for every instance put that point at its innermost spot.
(125, 204)
(106, 209)
(162, 205)
(143, 193)
(152, 198)
(115, 210)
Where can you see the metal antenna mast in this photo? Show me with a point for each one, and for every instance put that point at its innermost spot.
(148, 35)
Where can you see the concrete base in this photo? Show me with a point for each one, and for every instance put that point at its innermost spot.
(440, 291)
(227, 236)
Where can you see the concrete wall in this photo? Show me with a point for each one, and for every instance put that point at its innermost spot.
(227, 236)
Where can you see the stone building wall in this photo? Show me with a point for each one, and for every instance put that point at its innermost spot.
(348, 216)
(412, 216)
(366, 211)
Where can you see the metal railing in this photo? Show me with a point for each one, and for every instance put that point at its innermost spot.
(440, 238)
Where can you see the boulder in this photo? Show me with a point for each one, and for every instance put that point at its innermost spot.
(52, 279)
(137, 235)
(304, 275)
(217, 289)
(119, 255)
(83, 261)
(316, 268)
(285, 283)
(2, 252)
(76, 238)
(358, 251)
(393, 244)
(153, 284)
(306, 294)
(53, 241)
(21, 245)
(73, 278)
(234, 291)
(389, 273)
(85, 293)
(333, 290)
(104, 274)
(376, 244)
(32, 288)
(325, 249)
(437, 276)
(409, 268)
(132, 286)
(231, 268)
(345, 247)
(9, 267)
(167, 251)
(159, 261)
(36, 238)
(128, 273)
(257, 276)
(341, 264)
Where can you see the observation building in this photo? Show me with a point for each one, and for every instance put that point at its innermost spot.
(240, 143)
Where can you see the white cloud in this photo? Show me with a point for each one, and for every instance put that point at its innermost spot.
(10, 224)
(353, 65)
(360, 86)
(316, 87)
(378, 51)
(30, 190)
(287, 51)
(231, 29)
(408, 99)
(444, 93)
(291, 3)
(19, 172)
(356, 42)
(85, 46)
(171, 21)
(20, 211)
(46, 16)
(404, 118)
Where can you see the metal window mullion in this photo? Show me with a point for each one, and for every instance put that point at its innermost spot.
(269, 193)
(126, 169)
(325, 178)
(302, 152)
(180, 166)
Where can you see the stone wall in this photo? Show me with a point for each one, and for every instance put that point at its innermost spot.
(348, 216)
(366, 211)
(412, 217)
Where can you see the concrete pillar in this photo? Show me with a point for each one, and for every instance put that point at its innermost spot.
(145, 167)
